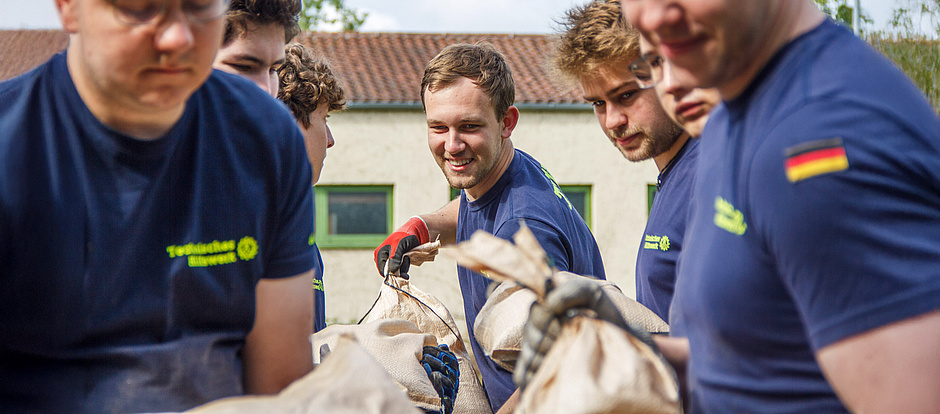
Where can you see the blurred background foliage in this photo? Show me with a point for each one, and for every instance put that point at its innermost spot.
(911, 41)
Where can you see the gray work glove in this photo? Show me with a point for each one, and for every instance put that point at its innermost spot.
(546, 319)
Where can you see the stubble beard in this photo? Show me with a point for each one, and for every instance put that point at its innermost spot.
(651, 143)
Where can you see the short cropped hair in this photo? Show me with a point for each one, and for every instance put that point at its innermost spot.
(306, 82)
(594, 35)
(284, 13)
(479, 62)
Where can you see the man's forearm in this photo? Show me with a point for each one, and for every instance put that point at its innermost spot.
(443, 222)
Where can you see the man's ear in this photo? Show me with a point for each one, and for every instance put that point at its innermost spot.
(509, 121)
(68, 14)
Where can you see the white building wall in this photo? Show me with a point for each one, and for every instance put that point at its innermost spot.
(390, 147)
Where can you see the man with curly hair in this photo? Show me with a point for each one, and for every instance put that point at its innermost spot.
(253, 48)
(254, 38)
(310, 90)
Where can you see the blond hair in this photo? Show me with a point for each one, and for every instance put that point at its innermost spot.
(479, 62)
(306, 82)
(594, 35)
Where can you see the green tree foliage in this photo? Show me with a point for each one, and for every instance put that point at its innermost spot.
(904, 43)
(317, 14)
(841, 11)
(917, 53)
(916, 56)
(910, 20)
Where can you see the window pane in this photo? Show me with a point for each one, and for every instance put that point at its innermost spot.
(650, 195)
(578, 200)
(358, 212)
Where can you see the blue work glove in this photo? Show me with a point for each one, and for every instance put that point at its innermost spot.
(444, 372)
(546, 319)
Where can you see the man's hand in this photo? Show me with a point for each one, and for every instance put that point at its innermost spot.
(392, 251)
(545, 321)
(444, 372)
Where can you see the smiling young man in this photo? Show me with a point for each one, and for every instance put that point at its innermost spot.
(811, 280)
(468, 95)
(254, 38)
(596, 51)
(154, 220)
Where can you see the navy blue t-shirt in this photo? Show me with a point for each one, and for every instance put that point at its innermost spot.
(815, 218)
(319, 297)
(128, 268)
(665, 230)
(525, 191)
(319, 305)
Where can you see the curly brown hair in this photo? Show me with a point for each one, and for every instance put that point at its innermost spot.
(594, 35)
(306, 82)
(479, 62)
(284, 13)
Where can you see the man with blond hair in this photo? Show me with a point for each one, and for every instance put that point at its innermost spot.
(468, 94)
(596, 51)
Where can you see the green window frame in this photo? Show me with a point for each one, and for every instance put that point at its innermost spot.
(650, 195)
(326, 225)
(580, 197)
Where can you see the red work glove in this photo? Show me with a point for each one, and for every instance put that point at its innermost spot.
(413, 234)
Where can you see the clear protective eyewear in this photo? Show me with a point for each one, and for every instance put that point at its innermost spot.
(139, 12)
(648, 70)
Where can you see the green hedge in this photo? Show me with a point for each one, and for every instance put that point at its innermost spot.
(919, 58)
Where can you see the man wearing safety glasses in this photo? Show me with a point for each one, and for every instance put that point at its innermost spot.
(155, 220)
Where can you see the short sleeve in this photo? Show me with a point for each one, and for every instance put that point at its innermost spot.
(292, 252)
(857, 243)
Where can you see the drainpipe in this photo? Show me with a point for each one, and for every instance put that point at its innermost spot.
(855, 17)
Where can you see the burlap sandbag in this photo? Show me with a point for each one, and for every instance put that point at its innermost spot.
(498, 327)
(397, 346)
(348, 381)
(596, 367)
(399, 299)
(593, 367)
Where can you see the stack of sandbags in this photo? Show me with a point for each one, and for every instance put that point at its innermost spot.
(594, 366)
(347, 381)
(399, 299)
(397, 346)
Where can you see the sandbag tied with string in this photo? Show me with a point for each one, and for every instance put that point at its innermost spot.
(593, 366)
(400, 299)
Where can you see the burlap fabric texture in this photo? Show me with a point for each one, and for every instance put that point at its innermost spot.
(348, 381)
(594, 366)
(498, 327)
(399, 299)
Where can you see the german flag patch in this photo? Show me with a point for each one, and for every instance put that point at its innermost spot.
(815, 158)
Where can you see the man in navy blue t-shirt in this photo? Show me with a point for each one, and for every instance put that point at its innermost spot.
(811, 279)
(253, 48)
(597, 51)
(468, 95)
(155, 220)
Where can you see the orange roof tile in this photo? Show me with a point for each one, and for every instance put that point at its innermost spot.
(386, 68)
(375, 68)
(22, 50)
